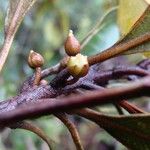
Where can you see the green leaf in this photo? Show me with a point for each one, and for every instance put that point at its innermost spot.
(98, 38)
(129, 12)
(136, 41)
(132, 131)
(141, 27)
(16, 12)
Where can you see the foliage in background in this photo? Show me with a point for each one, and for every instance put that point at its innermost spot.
(44, 29)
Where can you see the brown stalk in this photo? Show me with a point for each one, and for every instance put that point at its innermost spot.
(52, 70)
(118, 49)
(92, 98)
(35, 129)
(37, 76)
(72, 129)
(130, 107)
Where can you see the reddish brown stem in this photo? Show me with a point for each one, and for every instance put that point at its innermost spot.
(37, 76)
(130, 107)
(33, 128)
(118, 49)
(118, 72)
(52, 70)
(73, 130)
(92, 98)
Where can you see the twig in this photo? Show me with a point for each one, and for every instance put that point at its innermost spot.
(52, 70)
(144, 64)
(92, 98)
(118, 49)
(37, 76)
(33, 128)
(119, 72)
(73, 130)
(60, 80)
(130, 107)
(5, 50)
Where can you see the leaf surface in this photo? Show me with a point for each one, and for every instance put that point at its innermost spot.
(98, 38)
(140, 28)
(132, 131)
(129, 11)
(134, 20)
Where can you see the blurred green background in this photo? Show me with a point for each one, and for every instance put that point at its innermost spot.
(44, 30)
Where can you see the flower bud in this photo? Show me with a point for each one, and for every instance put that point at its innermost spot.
(78, 65)
(72, 45)
(35, 59)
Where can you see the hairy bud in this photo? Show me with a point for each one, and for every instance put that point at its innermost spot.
(35, 59)
(78, 65)
(72, 45)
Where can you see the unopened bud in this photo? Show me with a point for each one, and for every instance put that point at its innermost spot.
(78, 65)
(35, 59)
(72, 45)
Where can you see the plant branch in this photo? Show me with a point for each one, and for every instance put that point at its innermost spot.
(130, 107)
(5, 50)
(118, 49)
(37, 76)
(119, 72)
(72, 129)
(144, 64)
(52, 70)
(33, 128)
(92, 98)
(60, 80)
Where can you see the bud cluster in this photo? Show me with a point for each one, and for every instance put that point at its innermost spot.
(35, 59)
(72, 45)
(77, 64)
